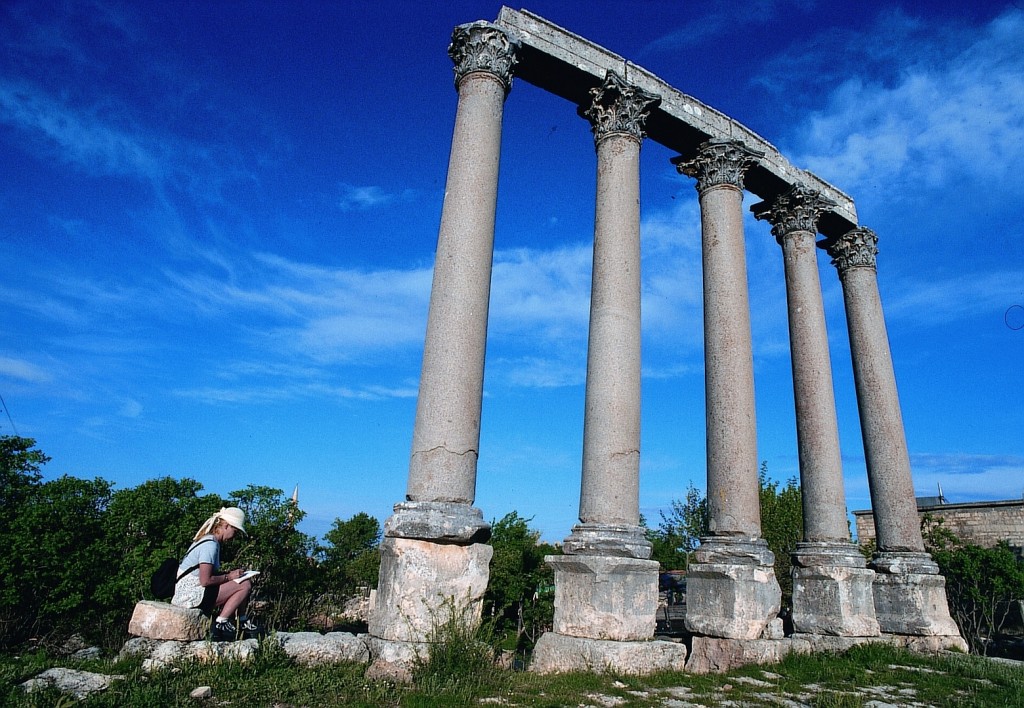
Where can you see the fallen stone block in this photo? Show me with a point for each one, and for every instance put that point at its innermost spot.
(717, 655)
(559, 653)
(161, 620)
(315, 649)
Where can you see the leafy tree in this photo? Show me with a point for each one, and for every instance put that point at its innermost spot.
(55, 544)
(782, 526)
(520, 593)
(289, 582)
(680, 530)
(352, 553)
(981, 583)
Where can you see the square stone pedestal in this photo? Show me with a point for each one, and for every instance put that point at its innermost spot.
(422, 584)
(605, 597)
(913, 603)
(731, 590)
(833, 591)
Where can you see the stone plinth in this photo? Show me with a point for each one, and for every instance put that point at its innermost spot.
(557, 653)
(910, 596)
(605, 597)
(833, 591)
(717, 655)
(423, 583)
(731, 590)
(161, 620)
(394, 661)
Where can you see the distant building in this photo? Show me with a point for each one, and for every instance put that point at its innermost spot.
(981, 523)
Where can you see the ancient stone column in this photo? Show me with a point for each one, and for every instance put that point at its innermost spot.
(910, 595)
(832, 589)
(434, 547)
(731, 587)
(605, 586)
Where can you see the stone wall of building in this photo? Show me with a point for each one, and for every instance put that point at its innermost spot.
(980, 523)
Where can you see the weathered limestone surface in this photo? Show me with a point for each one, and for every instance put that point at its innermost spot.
(306, 648)
(163, 654)
(315, 649)
(731, 589)
(440, 522)
(557, 653)
(605, 597)
(162, 620)
(422, 582)
(910, 596)
(833, 591)
(716, 655)
(80, 684)
(394, 661)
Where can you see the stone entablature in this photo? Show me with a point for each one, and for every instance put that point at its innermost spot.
(980, 523)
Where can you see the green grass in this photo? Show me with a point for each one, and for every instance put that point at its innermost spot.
(866, 673)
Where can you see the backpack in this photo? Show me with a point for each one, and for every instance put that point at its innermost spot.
(162, 582)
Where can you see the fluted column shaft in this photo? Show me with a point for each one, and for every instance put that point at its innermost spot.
(733, 501)
(885, 444)
(794, 217)
(447, 429)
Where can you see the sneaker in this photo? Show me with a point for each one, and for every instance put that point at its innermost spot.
(251, 630)
(223, 631)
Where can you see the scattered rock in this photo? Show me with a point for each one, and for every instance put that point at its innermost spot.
(80, 684)
(88, 653)
(201, 693)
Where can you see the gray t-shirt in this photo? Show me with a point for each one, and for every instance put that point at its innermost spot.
(205, 550)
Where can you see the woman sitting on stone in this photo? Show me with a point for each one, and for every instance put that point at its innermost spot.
(201, 585)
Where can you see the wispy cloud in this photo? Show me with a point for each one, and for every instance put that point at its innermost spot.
(955, 112)
(362, 198)
(23, 370)
(716, 19)
(80, 136)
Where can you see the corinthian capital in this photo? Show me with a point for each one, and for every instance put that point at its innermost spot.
(797, 209)
(856, 248)
(483, 47)
(618, 108)
(719, 161)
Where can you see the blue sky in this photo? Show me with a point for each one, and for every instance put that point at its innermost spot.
(217, 225)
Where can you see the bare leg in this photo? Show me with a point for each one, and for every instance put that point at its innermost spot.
(233, 597)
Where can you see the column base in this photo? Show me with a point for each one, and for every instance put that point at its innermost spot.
(441, 522)
(425, 585)
(620, 540)
(833, 591)
(605, 597)
(557, 653)
(910, 595)
(731, 589)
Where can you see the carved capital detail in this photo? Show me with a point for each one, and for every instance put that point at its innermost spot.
(797, 209)
(618, 108)
(718, 162)
(856, 248)
(483, 47)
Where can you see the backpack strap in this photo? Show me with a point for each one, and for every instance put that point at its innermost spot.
(193, 546)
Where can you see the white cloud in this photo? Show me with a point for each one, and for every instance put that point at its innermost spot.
(23, 370)
(80, 136)
(953, 112)
(358, 198)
